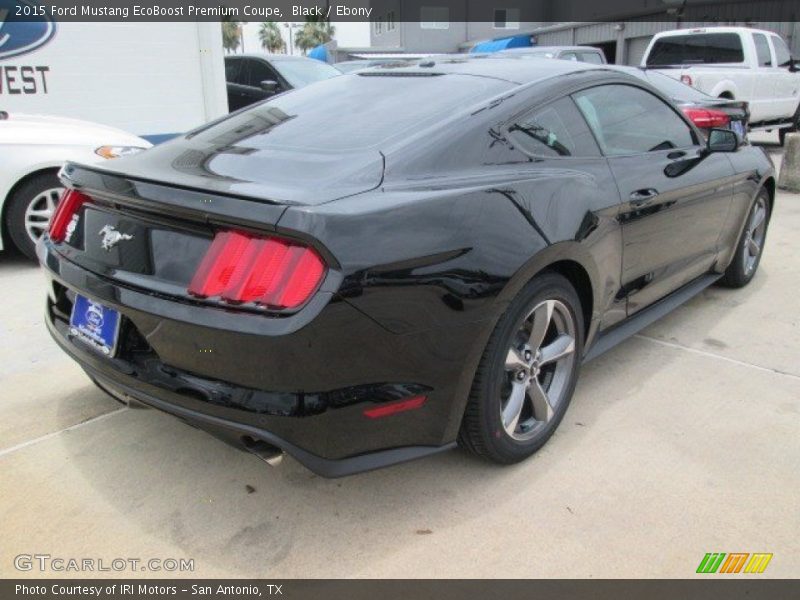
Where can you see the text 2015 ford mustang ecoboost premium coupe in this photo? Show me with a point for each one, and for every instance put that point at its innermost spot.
(384, 264)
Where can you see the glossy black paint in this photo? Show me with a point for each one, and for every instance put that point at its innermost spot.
(428, 235)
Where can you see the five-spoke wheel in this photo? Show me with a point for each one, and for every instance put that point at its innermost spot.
(540, 359)
(526, 377)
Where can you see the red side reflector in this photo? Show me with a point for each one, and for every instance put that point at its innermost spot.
(71, 201)
(395, 407)
(706, 118)
(271, 271)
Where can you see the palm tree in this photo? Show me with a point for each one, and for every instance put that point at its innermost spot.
(270, 36)
(313, 34)
(231, 35)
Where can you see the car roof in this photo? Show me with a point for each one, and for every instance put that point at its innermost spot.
(267, 56)
(509, 69)
(712, 29)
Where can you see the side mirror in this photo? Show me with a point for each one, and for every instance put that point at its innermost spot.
(722, 140)
(270, 86)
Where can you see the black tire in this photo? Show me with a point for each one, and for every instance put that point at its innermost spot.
(19, 202)
(482, 430)
(743, 267)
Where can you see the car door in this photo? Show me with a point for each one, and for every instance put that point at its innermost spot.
(787, 83)
(236, 80)
(675, 196)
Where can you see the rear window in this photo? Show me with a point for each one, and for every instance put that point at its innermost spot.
(703, 48)
(350, 112)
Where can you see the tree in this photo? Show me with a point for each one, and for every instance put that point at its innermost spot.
(313, 34)
(231, 35)
(270, 35)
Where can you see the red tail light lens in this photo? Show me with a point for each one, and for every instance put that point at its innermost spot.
(241, 268)
(69, 204)
(395, 407)
(706, 118)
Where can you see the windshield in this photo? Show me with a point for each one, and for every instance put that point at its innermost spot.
(350, 112)
(300, 73)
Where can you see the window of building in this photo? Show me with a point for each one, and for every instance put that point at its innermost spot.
(434, 17)
(506, 18)
(762, 50)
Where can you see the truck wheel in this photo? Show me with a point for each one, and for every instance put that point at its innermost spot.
(30, 209)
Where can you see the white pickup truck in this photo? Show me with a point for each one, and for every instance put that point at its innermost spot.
(738, 63)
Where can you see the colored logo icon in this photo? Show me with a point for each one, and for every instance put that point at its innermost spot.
(734, 562)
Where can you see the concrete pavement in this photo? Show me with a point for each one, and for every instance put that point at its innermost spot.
(681, 441)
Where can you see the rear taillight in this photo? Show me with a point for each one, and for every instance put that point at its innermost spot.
(67, 207)
(707, 118)
(687, 79)
(274, 272)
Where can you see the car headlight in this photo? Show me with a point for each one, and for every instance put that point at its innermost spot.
(117, 151)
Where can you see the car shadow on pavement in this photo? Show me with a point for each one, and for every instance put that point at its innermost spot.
(236, 515)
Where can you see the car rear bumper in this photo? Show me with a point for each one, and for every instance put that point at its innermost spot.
(300, 384)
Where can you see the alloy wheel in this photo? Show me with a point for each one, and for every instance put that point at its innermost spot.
(754, 235)
(538, 369)
(39, 212)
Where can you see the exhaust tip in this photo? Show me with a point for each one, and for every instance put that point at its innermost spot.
(272, 455)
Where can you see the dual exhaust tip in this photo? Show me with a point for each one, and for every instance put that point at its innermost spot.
(272, 455)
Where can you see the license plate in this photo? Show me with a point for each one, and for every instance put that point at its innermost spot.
(95, 324)
(738, 127)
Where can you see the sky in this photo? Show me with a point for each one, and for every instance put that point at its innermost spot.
(347, 34)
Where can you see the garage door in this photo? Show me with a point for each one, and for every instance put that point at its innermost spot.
(635, 49)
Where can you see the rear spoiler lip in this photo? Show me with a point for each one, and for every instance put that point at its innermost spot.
(179, 201)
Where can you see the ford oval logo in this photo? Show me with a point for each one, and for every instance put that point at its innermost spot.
(24, 27)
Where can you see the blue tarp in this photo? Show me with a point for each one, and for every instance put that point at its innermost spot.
(517, 41)
(319, 52)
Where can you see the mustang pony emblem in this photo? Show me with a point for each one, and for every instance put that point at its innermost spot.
(112, 237)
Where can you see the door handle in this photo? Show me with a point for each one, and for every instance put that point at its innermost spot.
(640, 197)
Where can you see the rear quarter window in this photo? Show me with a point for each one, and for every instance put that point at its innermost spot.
(697, 48)
(555, 130)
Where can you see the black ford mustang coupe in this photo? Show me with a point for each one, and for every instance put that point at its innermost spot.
(385, 264)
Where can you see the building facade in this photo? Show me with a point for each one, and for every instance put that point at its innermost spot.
(422, 27)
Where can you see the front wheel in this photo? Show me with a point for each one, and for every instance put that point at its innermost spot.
(751, 245)
(527, 374)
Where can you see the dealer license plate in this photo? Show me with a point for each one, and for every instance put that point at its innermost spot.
(95, 324)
